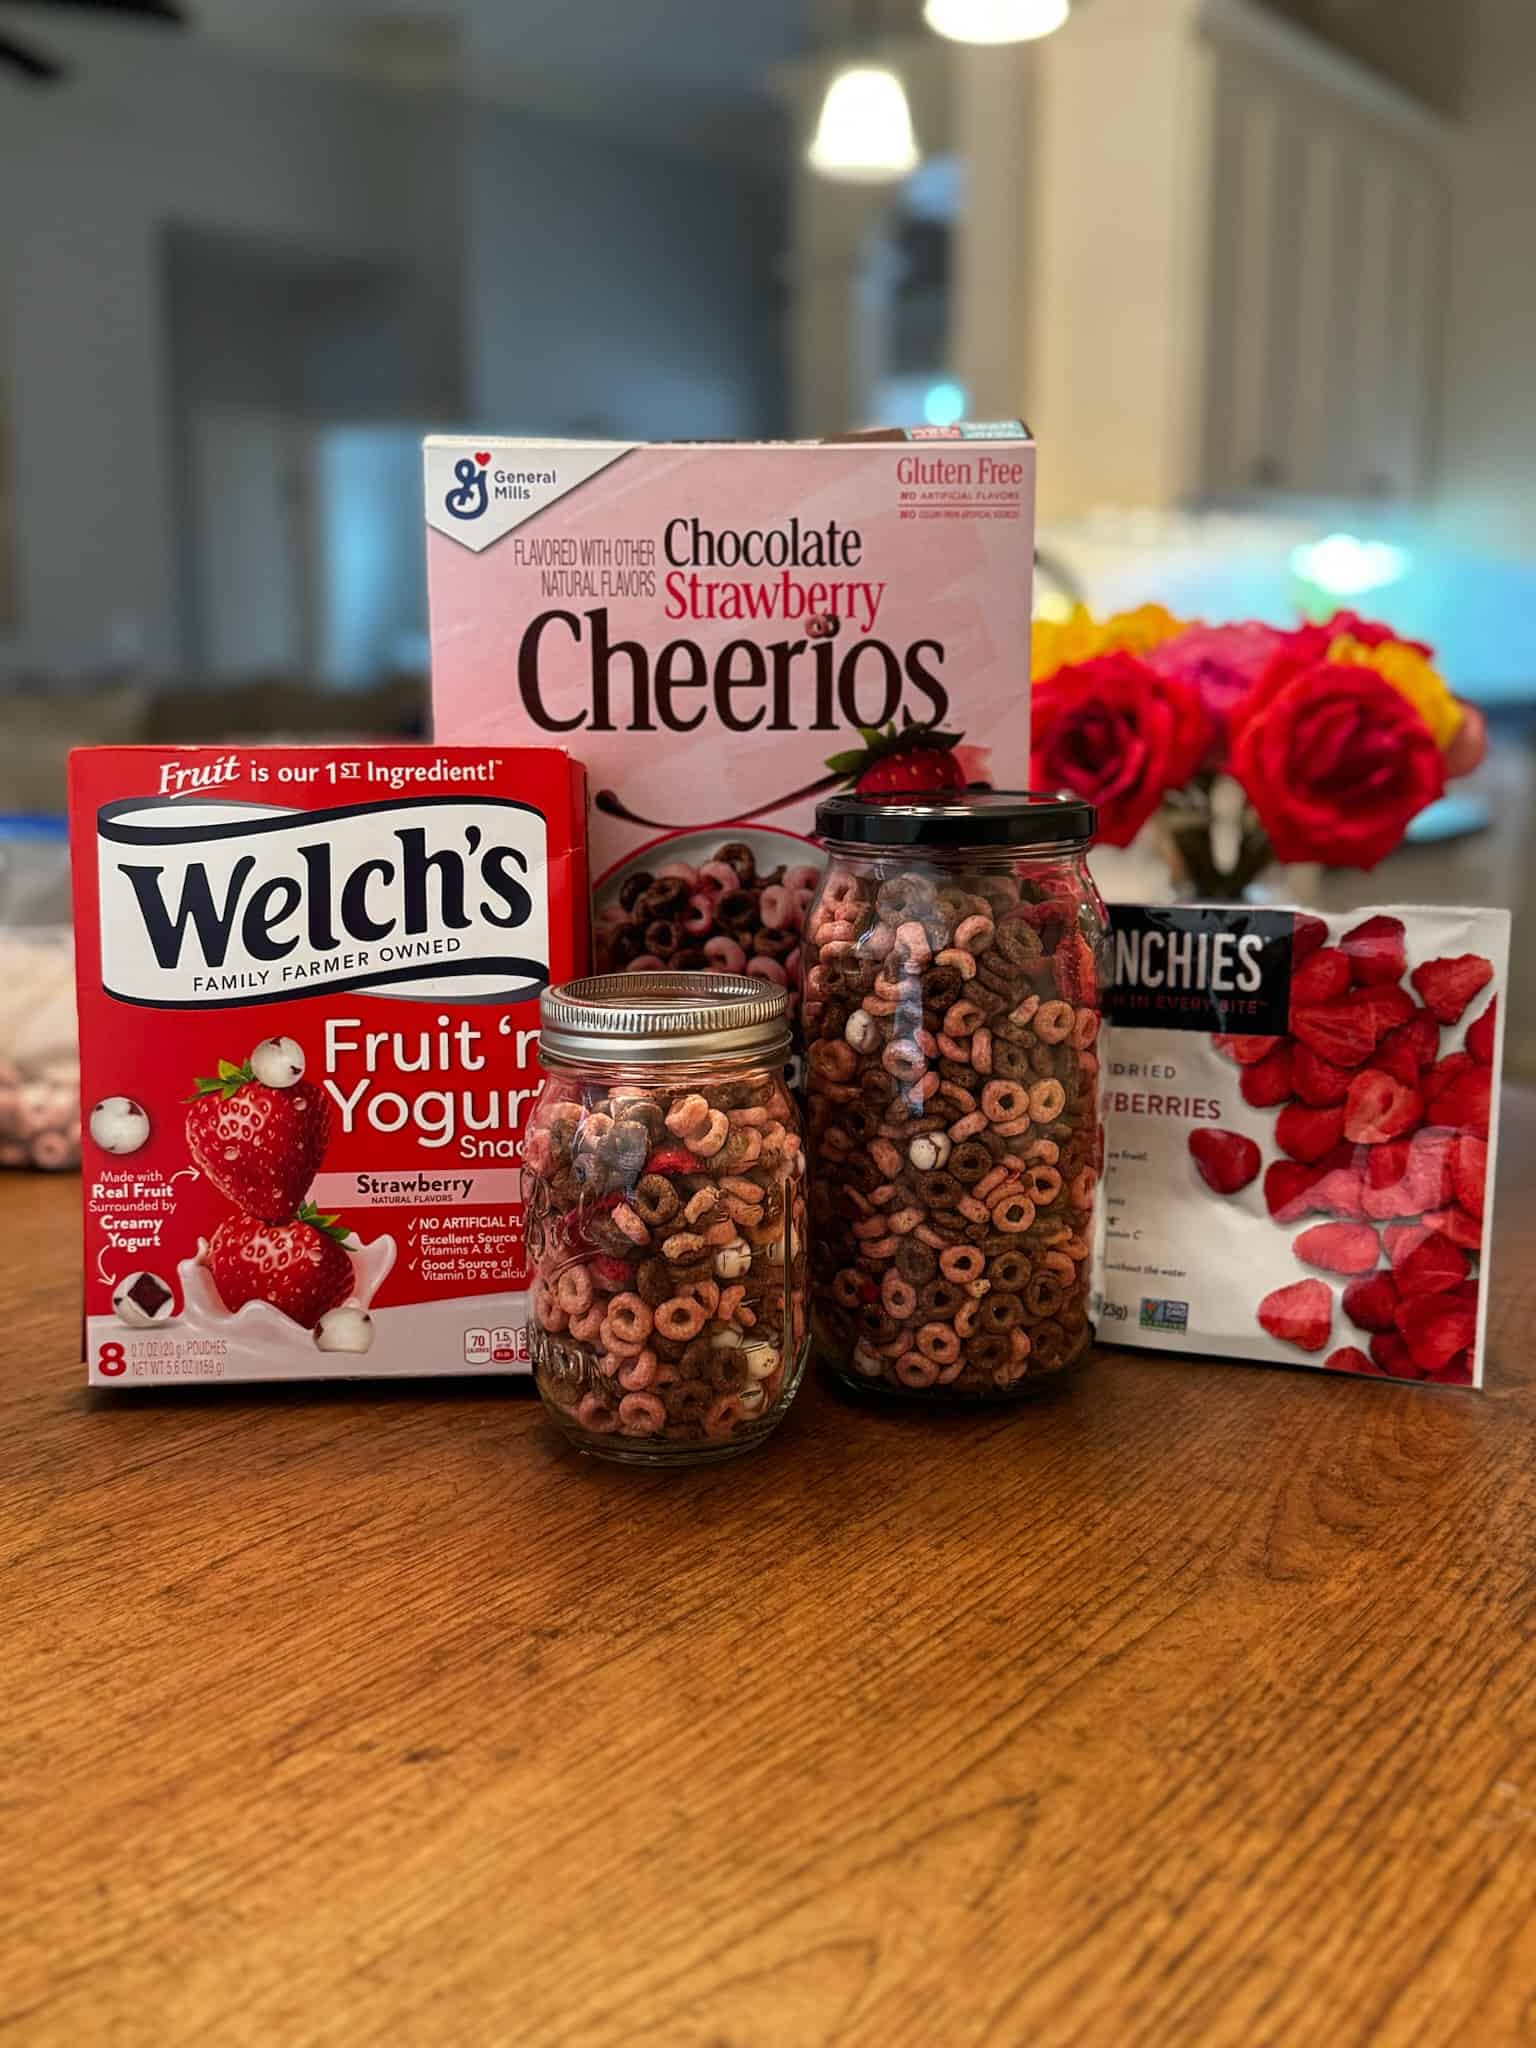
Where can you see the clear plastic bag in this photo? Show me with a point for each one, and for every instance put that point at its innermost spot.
(39, 1061)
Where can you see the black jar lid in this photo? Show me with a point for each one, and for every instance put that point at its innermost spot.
(983, 817)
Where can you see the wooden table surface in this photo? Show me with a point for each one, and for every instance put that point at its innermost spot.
(1197, 1706)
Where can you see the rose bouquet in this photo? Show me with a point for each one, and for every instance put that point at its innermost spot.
(1334, 735)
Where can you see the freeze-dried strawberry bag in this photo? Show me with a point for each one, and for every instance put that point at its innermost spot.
(1301, 1118)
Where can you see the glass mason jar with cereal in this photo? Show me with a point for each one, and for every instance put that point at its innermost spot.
(664, 1183)
(952, 967)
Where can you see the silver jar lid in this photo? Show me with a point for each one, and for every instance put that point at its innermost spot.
(610, 1020)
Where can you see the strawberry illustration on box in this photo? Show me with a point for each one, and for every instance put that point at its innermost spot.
(1301, 1122)
(308, 989)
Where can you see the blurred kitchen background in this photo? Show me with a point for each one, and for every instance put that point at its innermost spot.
(1258, 272)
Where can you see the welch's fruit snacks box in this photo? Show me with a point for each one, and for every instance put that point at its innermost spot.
(308, 986)
(1301, 1119)
(725, 632)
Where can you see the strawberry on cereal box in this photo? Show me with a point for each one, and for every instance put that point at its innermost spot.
(308, 984)
(1301, 1122)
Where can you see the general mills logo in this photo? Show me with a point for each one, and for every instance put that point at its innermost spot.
(468, 497)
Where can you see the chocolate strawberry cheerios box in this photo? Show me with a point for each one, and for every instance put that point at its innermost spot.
(726, 632)
(1301, 1118)
(308, 988)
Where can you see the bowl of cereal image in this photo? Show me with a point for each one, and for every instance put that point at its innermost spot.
(730, 898)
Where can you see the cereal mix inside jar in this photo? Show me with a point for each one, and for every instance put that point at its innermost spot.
(953, 962)
(664, 1180)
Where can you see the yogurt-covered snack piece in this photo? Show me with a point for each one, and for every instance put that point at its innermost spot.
(307, 986)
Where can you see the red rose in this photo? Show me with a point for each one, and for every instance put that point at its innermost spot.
(1113, 731)
(1369, 632)
(1335, 762)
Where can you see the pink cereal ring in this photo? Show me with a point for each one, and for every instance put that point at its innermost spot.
(965, 1319)
(913, 941)
(1047, 1099)
(989, 1181)
(981, 1051)
(775, 907)
(938, 1342)
(639, 1373)
(730, 1300)
(974, 934)
(961, 1262)
(630, 1317)
(1046, 1150)
(573, 1290)
(699, 917)
(886, 1157)
(834, 1059)
(595, 1416)
(952, 1048)
(883, 1247)
(641, 1415)
(1053, 1022)
(768, 970)
(1085, 1029)
(925, 1086)
(1013, 1213)
(962, 1018)
(678, 1320)
(914, 1370)
(1044, 1185)
(721, 873)
(586, 1327)
(964, 964)
(898, 1297)
(714, 1134)
(1003, 1101)
(931, 1238)
(689, 1115)
(967, 1126)
(725, 953)
(972, 1210)
(906, 1220)
(634, 1227)
(1024, 1014)
(1015, 1127)
(904, 1059)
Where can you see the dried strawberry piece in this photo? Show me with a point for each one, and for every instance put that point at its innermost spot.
(1436, 1327)
(1467, 1103)
(1307, 934)
(1244, 1052)
(1457, 1225)
(1268, 1080)
(1469, 1173)
(1226, 1160)
(611, 1274)
(1457, 1374)
(1340, 1031)
(1439, 1077)
(1391, 1354)
(1447, 986)
(1433, 1266)
(1400, 1239)
(1371, 1302)
(1386, 1166)
(1077, 977)
(1308, 1134)
(1316, 1080)
(671, 1159)
(1386, 1008)
(1481, 1033)
(1350, 1358)
(1377, 950)
(1429, 1168)
(1288, 1189)
(1339, 1247)
(1395, 1057)
(1380, 1107)
(1325, 975)
(1301, 1314)
(1418, 1036)
(1340, 1192)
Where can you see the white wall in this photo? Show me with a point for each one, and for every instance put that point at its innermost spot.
(613, 289)
(91, 172)
(604, 285)
(1487, 449)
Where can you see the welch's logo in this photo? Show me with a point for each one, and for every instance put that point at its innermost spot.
(209, 904)
(1189, 968)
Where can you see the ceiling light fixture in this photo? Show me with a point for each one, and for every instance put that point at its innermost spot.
(995, 21)
(864, 135)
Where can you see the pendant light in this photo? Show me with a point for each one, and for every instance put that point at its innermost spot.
(864, 132)
(995, 21)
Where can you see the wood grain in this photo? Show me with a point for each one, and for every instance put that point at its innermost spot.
(1197, 1705)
